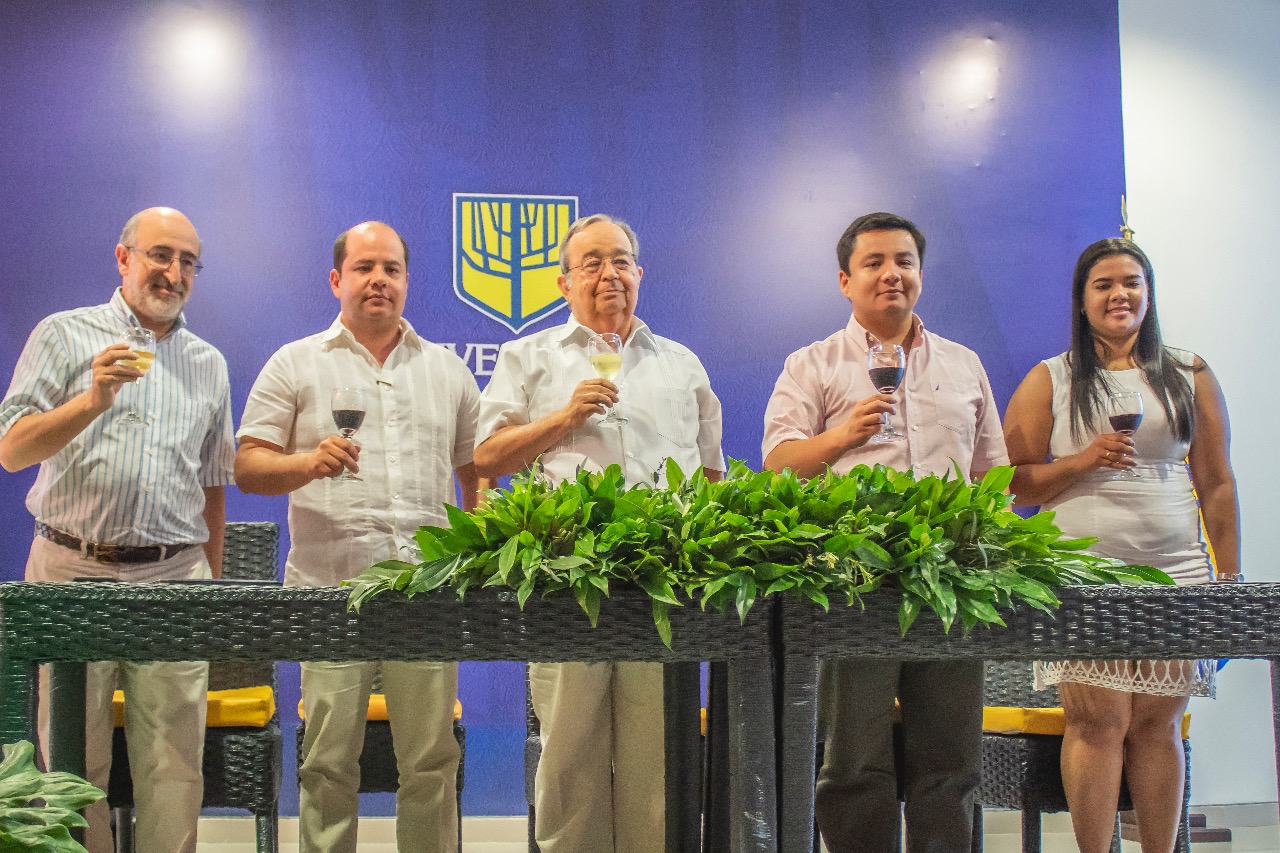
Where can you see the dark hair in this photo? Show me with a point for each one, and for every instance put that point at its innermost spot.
(1165, 374)
(340, 244)
(876, 222)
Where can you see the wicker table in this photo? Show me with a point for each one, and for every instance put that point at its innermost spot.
(70, 624)
(1226, 620)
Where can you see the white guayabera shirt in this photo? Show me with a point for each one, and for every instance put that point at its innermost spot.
(664, 394)
(419, 427)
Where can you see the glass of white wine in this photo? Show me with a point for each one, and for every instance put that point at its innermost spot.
(143, 343)
(605, 353)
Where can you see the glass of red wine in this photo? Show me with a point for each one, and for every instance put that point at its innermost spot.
(349, 406)
(886, 363)
(1124, 412)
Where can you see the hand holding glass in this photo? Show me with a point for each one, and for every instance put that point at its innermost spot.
(605, 354)
(143, 343)
(1124, 413)
(348, 408)
(886, 364)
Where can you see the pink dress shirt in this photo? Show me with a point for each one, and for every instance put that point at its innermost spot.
(944, 405)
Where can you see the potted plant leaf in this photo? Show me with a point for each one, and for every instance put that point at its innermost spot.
(38, 810)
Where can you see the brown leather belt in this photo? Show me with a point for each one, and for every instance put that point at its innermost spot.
(111, 554)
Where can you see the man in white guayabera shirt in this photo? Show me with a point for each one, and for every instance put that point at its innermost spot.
(418, 430)
(122, 501)
(599, 786)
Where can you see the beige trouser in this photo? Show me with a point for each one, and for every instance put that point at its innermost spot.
(164, 715)
(420, 700)
(600, 786)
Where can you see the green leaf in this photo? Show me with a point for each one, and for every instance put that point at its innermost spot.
(907, 612)
(662, 619)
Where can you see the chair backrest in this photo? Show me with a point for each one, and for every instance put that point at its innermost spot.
(1009, 684)
(250, 552)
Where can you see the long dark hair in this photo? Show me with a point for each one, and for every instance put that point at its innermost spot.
(1165, 373)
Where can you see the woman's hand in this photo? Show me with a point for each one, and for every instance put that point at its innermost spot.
(1113, 450)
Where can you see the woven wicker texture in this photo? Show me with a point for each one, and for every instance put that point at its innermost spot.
(241, 764)
(1226, 620)
(104, 621)
(1221, 620)
(48, 622)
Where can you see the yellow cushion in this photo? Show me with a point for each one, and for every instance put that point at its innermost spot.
(245, 706)
(378, 708)
(1036, 721)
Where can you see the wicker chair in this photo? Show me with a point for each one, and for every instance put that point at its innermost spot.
(1022, 771)
(241, 763)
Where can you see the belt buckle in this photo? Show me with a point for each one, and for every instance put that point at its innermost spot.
(107, 555)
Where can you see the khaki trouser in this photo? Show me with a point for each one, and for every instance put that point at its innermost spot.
(420, 700)
(600, 786)
(856, 801)
(164, 715)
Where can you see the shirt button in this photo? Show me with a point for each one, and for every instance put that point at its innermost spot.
(391, 459)
(915, 427)
(630, 455)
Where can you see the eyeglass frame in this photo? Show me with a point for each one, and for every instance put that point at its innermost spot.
(156, 265)
(631, 264)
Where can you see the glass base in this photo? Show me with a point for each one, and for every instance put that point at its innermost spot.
(347, 477)
(888, 435)
(613, 418)
(1126, 475)
(133, 419)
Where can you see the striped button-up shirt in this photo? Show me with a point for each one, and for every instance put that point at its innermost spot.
(115, 483)
(419, 426)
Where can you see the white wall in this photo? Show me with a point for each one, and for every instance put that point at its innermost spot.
(1202, 153)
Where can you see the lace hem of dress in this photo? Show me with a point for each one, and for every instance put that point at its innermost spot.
(1153, 677)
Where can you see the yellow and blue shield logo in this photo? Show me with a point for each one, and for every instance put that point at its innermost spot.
(506, 254)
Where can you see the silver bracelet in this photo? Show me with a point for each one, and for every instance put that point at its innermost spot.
(1238, 577)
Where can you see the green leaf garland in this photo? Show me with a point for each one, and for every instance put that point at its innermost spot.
(947, 546)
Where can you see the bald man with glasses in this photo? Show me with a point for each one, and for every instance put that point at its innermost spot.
(130, 498)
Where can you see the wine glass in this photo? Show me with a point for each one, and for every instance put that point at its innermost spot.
(605, 353)
(1124, 412)
(349, 406)
(143, 343)
(886, 363)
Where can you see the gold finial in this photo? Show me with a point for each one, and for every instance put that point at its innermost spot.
(1125, 231)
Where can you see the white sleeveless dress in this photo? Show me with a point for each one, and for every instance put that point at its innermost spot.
(1152, 521)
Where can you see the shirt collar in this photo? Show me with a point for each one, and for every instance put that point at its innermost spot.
(338, 331)
(574, 332)
(122, 310)
(865, 339)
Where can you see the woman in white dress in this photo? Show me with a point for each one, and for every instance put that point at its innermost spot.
(1126, 714)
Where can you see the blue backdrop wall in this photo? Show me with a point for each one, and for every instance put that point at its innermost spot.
(739, 140)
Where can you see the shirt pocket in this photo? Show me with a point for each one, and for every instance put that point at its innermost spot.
(676, 411)
(956, 409)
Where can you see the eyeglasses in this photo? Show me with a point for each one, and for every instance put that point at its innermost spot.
(622, 264)
(160, 259)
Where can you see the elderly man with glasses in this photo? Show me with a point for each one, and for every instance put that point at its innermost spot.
(599, 786)
(126, 497)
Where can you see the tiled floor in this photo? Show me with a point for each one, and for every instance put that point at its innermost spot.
(1253, 829)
